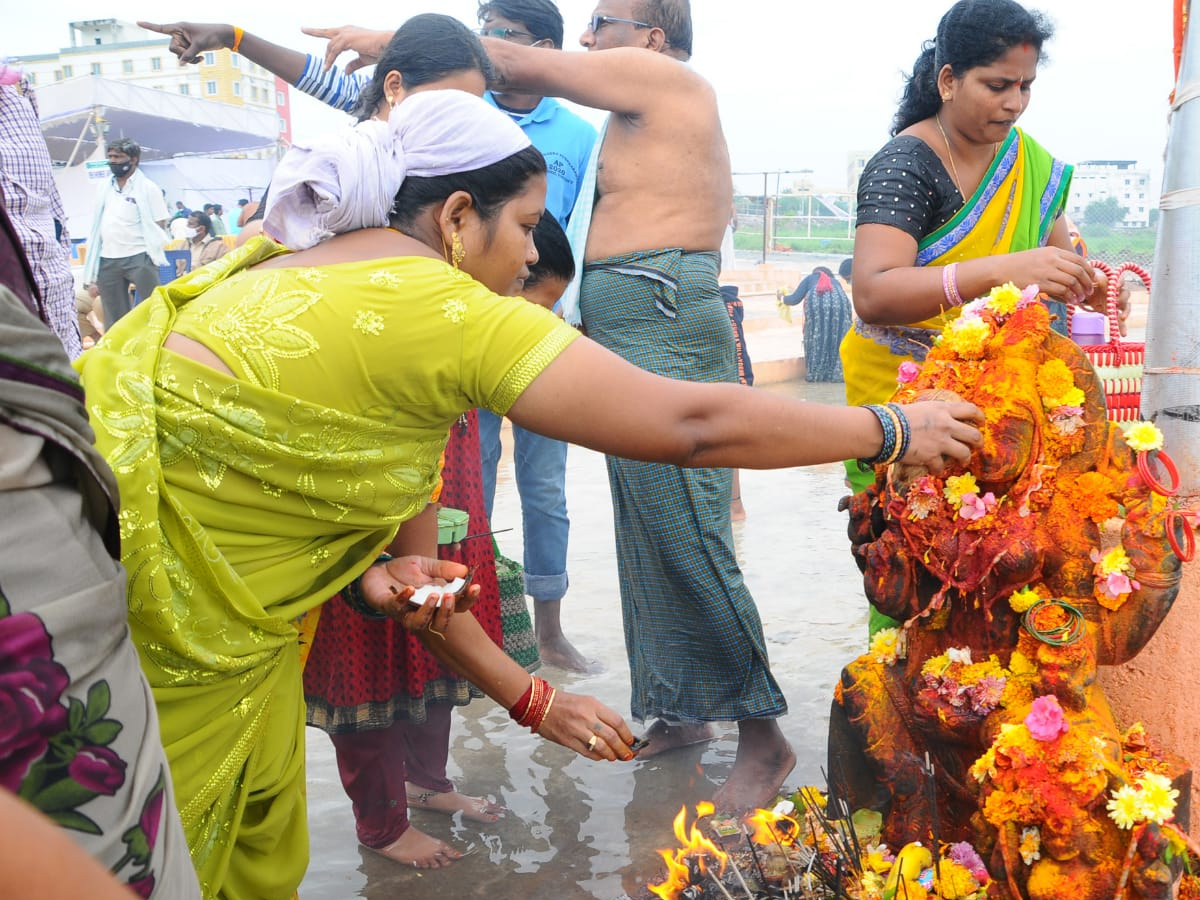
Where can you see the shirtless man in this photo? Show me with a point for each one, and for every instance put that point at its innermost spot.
(649, 293)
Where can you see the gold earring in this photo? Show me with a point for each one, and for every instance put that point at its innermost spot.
(457, 251)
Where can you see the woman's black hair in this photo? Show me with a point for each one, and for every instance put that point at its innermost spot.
(425, 48)
(555, 259)
(490, 187)
(972, 33)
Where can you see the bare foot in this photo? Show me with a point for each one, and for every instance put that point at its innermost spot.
(553, 646)
(664, 737)
(477, 809)
(764, 759)
(419, 850)
(561, 653)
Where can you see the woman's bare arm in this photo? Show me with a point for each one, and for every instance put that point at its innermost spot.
(592, 397)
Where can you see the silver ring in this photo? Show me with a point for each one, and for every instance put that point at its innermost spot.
(591, 745)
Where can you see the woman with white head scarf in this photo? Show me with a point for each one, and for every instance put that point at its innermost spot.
(274, 418)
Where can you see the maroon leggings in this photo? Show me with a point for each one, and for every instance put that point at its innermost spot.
(374, 766)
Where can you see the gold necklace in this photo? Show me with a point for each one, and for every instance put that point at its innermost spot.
(953, 168)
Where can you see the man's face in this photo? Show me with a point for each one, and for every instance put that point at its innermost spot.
(498, 26)
(117, 158)
(603, 32)
(193, 222)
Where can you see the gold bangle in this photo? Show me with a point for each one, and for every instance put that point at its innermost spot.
(546, 711)
(238, 34)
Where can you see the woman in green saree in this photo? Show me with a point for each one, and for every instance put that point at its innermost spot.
(275, 418)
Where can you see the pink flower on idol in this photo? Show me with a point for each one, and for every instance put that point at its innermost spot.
(966, 856)
(1118, 583)
(908, 372)
(976, 507)
(1045, 720)
(1028, 296)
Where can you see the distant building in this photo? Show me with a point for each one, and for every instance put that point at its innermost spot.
(1100, 179)
(121, 51)
(854, 169)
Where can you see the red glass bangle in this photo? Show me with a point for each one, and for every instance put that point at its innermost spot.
(1146, 470)
(1174, 519)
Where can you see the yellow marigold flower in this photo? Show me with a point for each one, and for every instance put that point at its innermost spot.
(952, 880)
(1004, 298)
(957, 485)
(1115, 560)
(1157, 797)
(1071, 397)
(965, 337)
(1125, 807)
(883, 645)
(1143, 436)
(1023, 599)
(1054, 378)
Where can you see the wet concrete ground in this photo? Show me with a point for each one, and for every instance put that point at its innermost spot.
(578, 829)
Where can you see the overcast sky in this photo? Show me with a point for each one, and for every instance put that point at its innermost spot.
(802, 83)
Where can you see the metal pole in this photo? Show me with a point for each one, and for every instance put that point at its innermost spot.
(766, 229)
(1171, 383)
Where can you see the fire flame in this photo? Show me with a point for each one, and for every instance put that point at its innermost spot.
(694, 846)
(772, 828)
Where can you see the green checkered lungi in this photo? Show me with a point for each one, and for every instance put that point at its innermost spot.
(692, 631)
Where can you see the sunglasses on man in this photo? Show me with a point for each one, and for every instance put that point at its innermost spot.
(599, 22)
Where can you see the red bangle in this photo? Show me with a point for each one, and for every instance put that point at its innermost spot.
(531, 710)
(1175, 518)
(1146, 470)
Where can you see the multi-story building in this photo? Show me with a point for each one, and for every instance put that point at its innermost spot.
(111, 48)
(1119, 179)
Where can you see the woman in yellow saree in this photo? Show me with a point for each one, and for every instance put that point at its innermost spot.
(959, 200)
(275, 418)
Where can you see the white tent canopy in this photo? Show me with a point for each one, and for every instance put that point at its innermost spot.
(78, 112)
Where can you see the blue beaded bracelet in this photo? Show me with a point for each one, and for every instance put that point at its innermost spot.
(888, 424)
(905, 429)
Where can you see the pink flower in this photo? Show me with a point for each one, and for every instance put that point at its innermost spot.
(976, 507)
(1028, 296)
(966, 856)
(10, 74)
(908, 372)
(1117, 584)
(1045, 720)
(31, 688)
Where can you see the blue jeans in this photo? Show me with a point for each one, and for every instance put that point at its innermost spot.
(541, 465)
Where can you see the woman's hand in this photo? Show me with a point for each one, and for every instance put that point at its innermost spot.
(367, 44)
(388, 588)
(574, 720)
(1058, 273)
(941, 432)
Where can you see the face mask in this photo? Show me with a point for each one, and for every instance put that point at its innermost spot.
(191, 233)
(120, 169)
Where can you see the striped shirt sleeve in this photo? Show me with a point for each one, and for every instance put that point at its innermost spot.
(335, 88)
